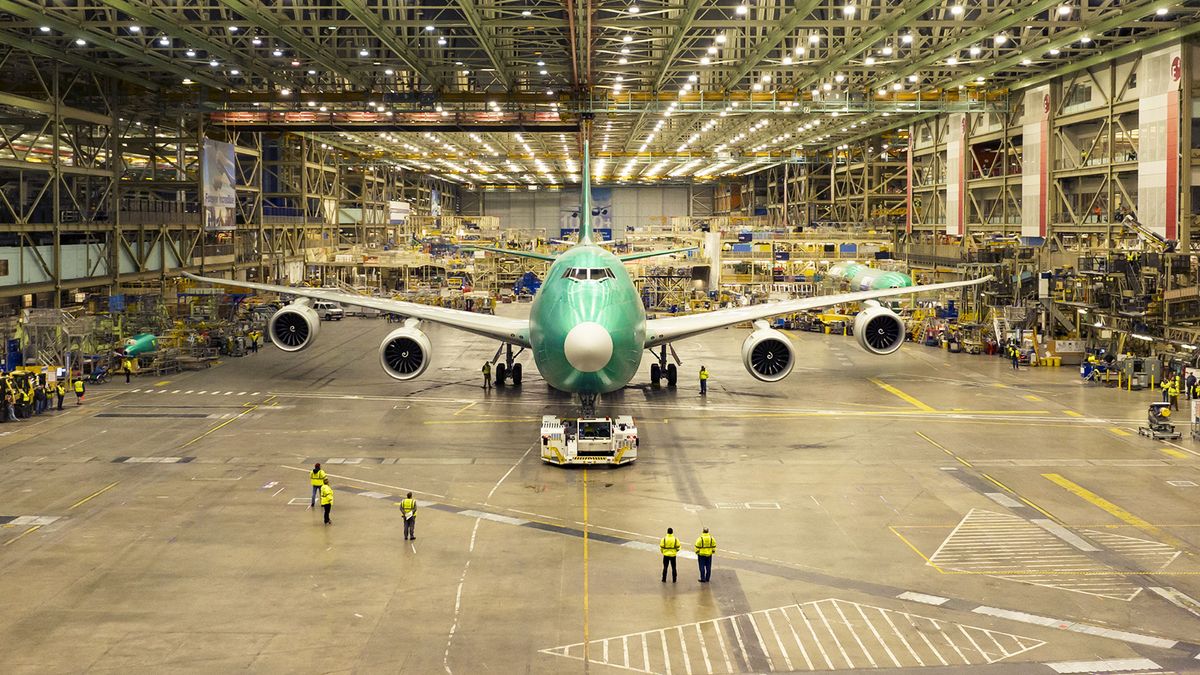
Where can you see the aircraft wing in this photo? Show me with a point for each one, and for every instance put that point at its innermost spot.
(650, 254)
(508, 251)
(669, 329)
(512, 331)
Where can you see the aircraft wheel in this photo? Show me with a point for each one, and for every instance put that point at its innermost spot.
(672, 375)
(655, 374)
(501, 374)
(516, 374)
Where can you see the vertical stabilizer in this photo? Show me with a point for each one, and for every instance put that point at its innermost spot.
(585, 201)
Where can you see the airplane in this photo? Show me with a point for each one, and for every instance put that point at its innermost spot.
(587, 327)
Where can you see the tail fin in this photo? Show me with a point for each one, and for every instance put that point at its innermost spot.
(585, 202)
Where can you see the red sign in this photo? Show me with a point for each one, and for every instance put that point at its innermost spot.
(1176, 69)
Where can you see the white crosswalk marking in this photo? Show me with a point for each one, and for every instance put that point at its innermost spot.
(175, 392)
(254, 393)
(241, 393)
(188, 391)
(1009, 547)
(135, 390)
(789, 637)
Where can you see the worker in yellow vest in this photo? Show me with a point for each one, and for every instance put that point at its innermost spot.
(408, 508)
(326, 499)
(706, 546)
(1173, 392)
(703, 381)
(60, 390)
(487, 374)
(317, 478)
(669, 545)
(79, 391)
(127, 368)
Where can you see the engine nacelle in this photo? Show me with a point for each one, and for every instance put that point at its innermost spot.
(405, 352)
(768, 354)
(878, 329)
(294, 327)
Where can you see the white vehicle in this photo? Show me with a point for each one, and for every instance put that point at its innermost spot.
(595, 440)
(329, 311)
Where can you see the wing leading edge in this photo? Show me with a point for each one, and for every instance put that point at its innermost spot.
(662, 331)
(512, 331)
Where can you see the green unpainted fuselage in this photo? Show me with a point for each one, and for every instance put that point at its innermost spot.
(564, 303)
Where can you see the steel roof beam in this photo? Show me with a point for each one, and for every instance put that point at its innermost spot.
(771, 42)
(386, 35)
(864, 42)
(43, 51)
(107, 42)
(471, 14)
(265, 20)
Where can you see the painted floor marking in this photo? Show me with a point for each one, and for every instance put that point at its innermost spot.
(901, 395)
(1012, 548)
(1116, 511)
(15, 521)
(803, 637)
(1179, 599)
(1063, 624)
(1107, 666)
(935, 600)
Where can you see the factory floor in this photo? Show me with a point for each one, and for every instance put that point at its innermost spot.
(923, 510)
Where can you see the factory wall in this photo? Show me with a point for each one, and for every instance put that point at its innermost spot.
(542, 212)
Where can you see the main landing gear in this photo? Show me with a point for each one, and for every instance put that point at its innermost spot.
(510, 369)
(660, 369)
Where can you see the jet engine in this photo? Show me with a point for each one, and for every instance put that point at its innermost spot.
(404, 353)
(294, 327)
(768, 354)
(878, 329)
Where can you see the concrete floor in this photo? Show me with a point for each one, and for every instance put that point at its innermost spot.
(925, 509)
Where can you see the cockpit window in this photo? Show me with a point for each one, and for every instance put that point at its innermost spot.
(588, 273)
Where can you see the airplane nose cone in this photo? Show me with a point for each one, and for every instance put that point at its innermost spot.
(588, 347)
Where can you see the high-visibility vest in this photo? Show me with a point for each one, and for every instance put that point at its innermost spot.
(62, 391)
(704, 375)
(408, 507)
(669, 546)
(326, 495)
(706, 545)
(318, 477)
(487, 368)
(79, 387)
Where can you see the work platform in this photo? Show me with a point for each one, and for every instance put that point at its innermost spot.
(922, 510)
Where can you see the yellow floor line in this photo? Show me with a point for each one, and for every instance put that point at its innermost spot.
(916, 550)
(1072, 413)
(1119, 431)
(1032, 397)
(1174, 453)
(92, 496)
(939, 446)
(32, 529)
(901, 395)
(586, 613)
(1114, 510)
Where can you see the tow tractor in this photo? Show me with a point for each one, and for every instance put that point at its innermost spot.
(589, 440)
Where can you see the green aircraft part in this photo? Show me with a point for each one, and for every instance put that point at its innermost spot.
(140, 344)
(587, 323)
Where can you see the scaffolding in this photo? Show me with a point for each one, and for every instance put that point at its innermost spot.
(57, 336)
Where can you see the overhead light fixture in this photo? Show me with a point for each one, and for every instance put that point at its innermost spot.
(627, 39)
(1000, 38)
(441, 41)
(277, 52)
(214, 63)
(974, 50)
(256, 41)
(952, 61)
(285, 92)
(1054, 52)
(907, 38)
(135, 29)
(624, 60)
(526, 12)
(363, 52)
(633, 9)
(1161, 11)
(233, 29)
(742, 10)
(721, 38)
(45, 29)
(190, 52)
(848, 10)
(1085, 39)
(164, 41)
(787, 61)
(235, 71)
(430, 29)
(870, 61)
(887, 50)
(704, 60)
(814, 38)
(956, 10)
(1064, 10)
(81, 42)
(1026, 62)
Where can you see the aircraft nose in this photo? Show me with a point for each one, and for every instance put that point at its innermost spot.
(588, 347)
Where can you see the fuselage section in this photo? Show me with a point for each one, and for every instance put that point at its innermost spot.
(587, 325)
